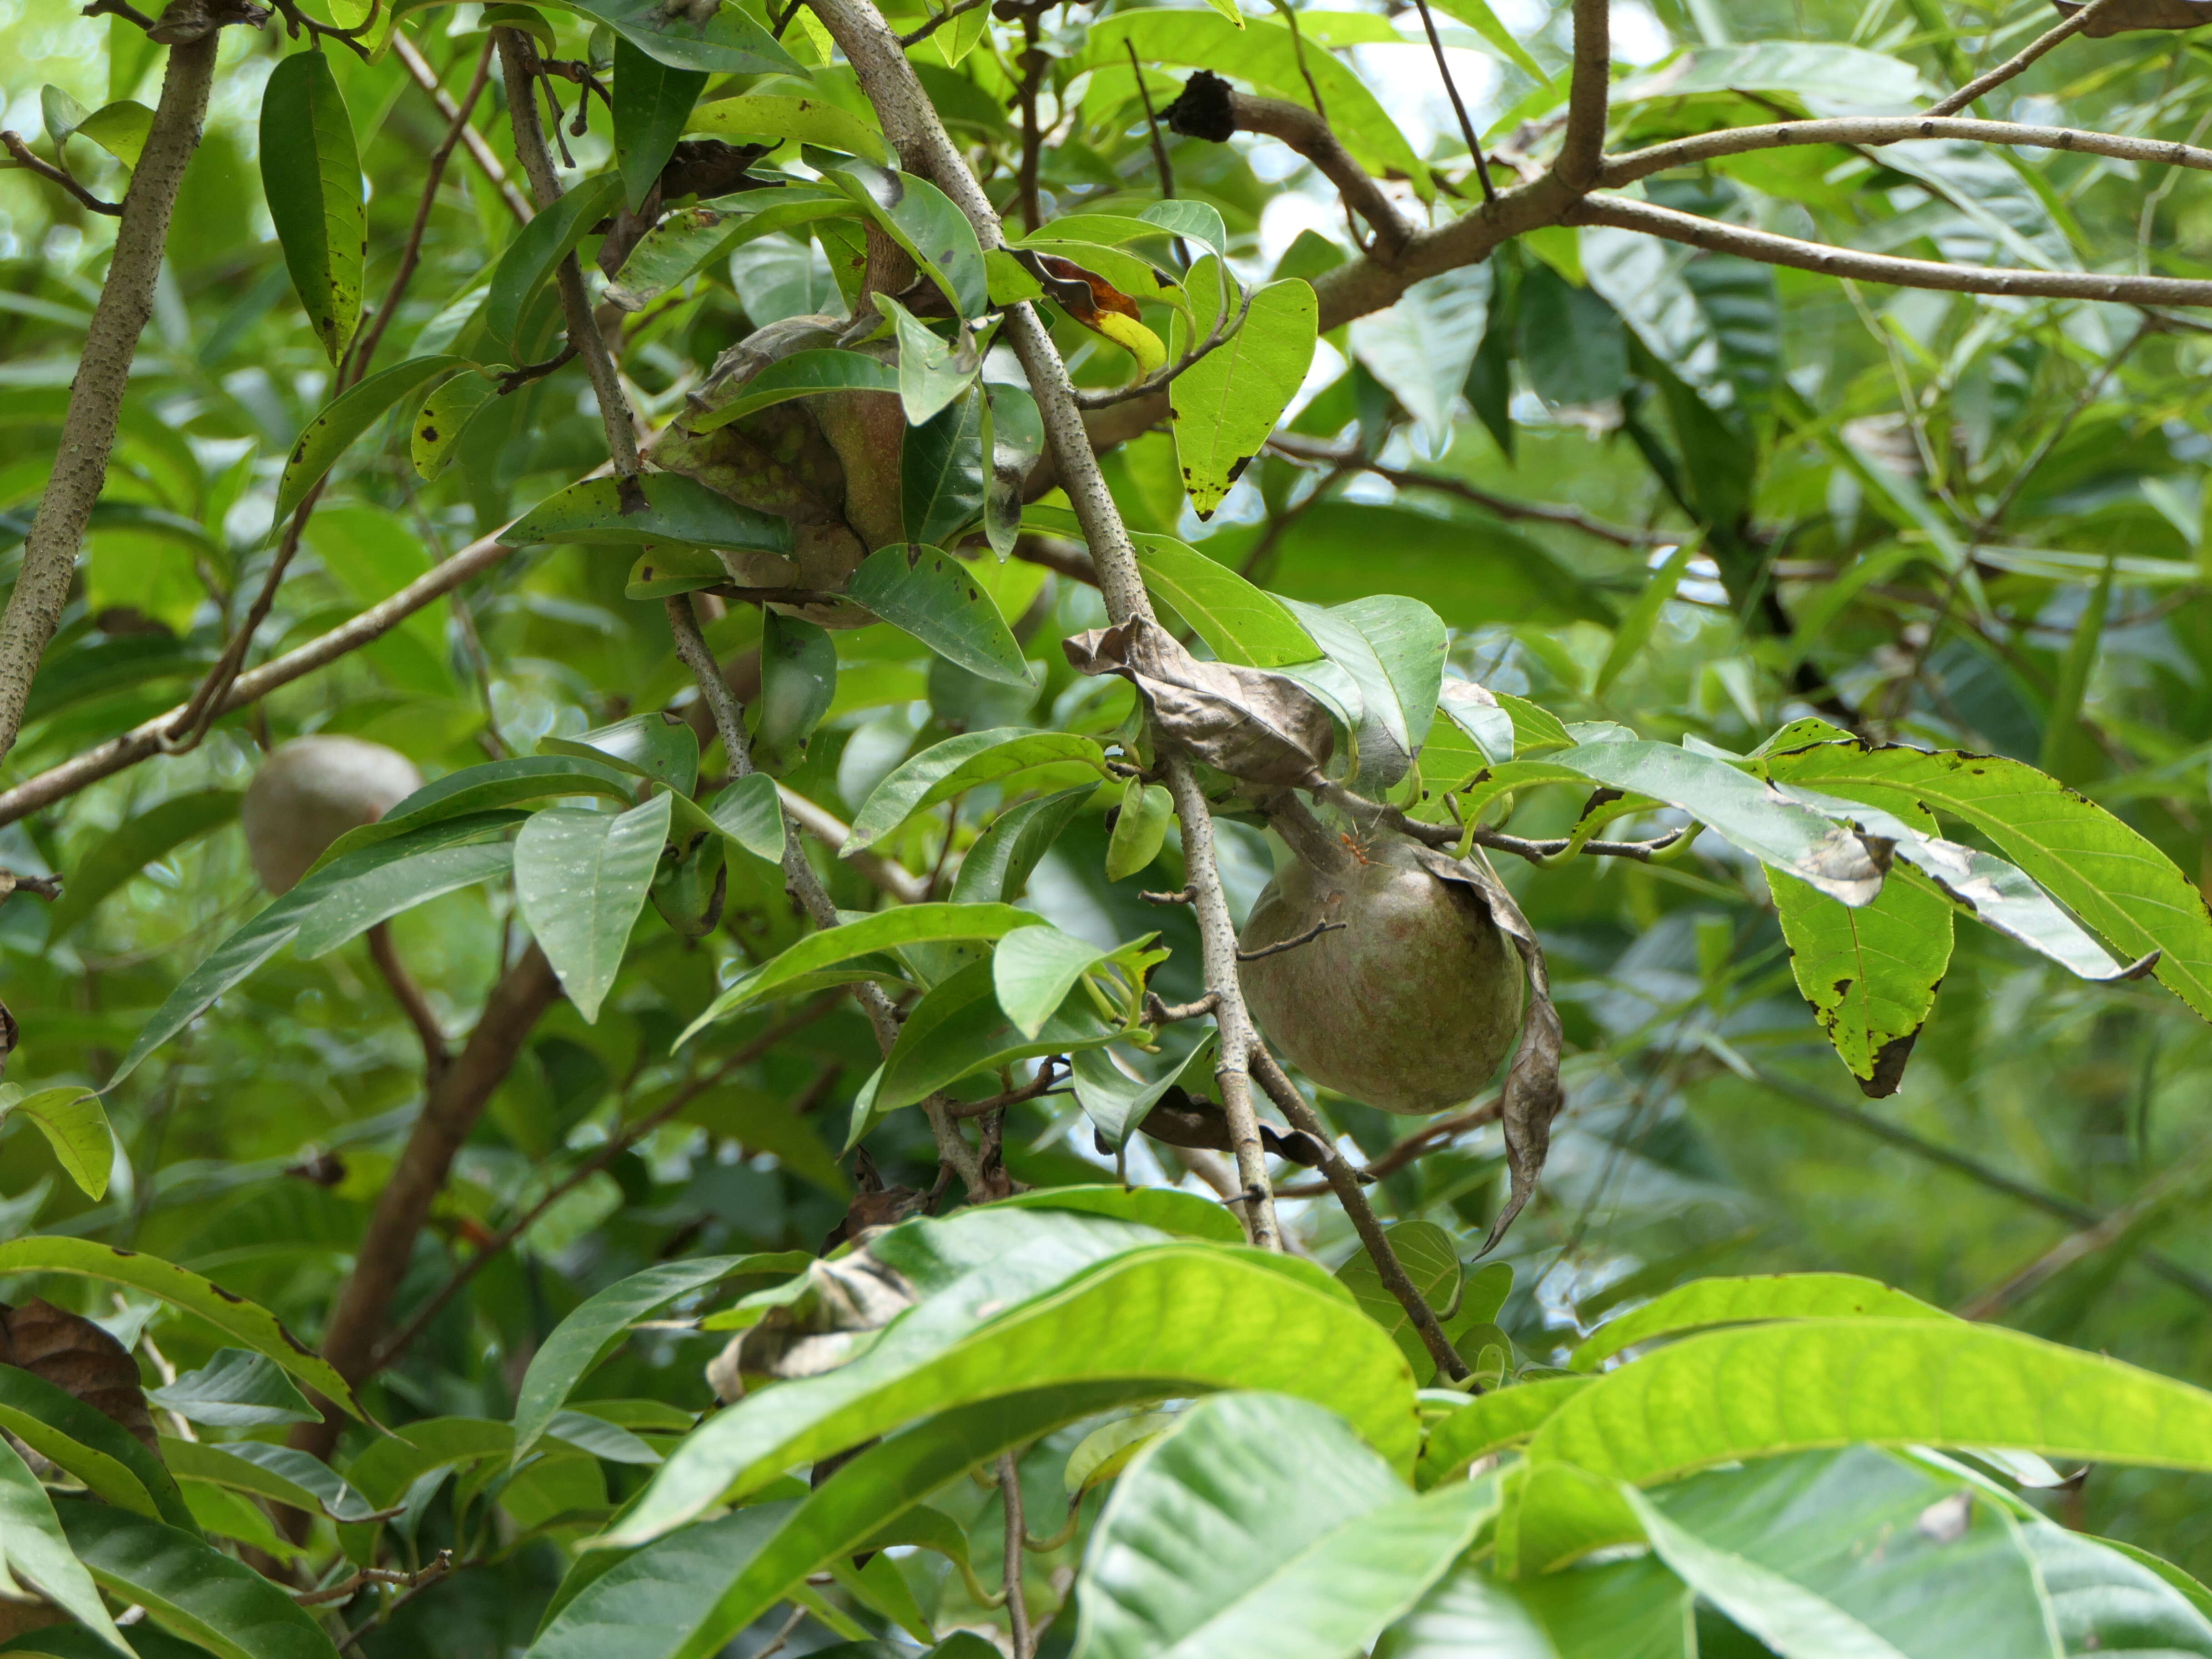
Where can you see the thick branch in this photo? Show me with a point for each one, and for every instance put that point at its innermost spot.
(2080, 20)
(1769, 249)
(34, 608)
(1588, 97)
(1874, 132)
(450, 1111)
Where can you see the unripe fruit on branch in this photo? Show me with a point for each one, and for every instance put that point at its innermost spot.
(1410, 1005)
(311, 792)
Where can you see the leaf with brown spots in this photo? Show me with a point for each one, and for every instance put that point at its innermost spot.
(934, 597)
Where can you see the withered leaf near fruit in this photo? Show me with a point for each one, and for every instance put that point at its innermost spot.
(1253, 724)
(81, 1359)
(1083, 294)
(2127, 14)
(1532, 1081)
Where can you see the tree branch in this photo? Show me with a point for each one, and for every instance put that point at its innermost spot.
(450, 1111)
(2078, 21)
(1018, 1611)
(1770, 249)
(412, 1003)
(95, 404)
(1874, 132)
(26, 158)
(1590, 96)
(911, 123)
(486, 158)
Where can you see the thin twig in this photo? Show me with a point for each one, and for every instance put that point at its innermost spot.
(348, 1588)
(915, 37)
(1297, 447)
(486, 159)
(1281, 945)
(26, 158)
(1017, 1608)
(412, 1003)
(1430, 1136)
(2017, 65)
(1045, 1082)
(1459, 107)
(1153, 126)
(1026, 202)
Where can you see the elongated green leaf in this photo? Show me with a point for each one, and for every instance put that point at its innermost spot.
(1920, 1381)
(751, 813)
(1013, 437)
(1431, 1261)
(1641, 618)
(1422, 347)
(1478, 17)
(1227, 403)
(1032, 972)
(73, 1436)
(311, 176)
(333, 430)
(235, 1389)
(729, 41)
(539, 246)
(799, 682)
(249, 1322)
(997, 867)
(1709, 1302)
(675, 509)
(2088, 860)
(1393, 650)
(1215, 1542)
(921, 218)
(1854, 1552)
(483, 790)
(564, 1358)
(154, 834)
(653, 108)
(276, 925)
(1196, 221)
(70, 1119)
(434, 435)
(190, 1587)
(654, 746)
(959, 1029)
(688, 237)
(1239, 622)
(283, 1474)
(1140, 828)
(957, 765)
(35, 1551)
(909, 924)
(1167, 1208)
(801, 374)
(358, 905)
(2107, 1603)
(581, 879)
(1495, 1419)
(1194, 1318)
(942, 478)
(929, 593)
(810, 120)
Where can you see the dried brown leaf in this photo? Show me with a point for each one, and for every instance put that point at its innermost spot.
(1258, 727)
(81, 1359)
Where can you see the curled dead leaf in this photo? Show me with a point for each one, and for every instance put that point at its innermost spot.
(1256, 726)
(1182, 1119)
(81, 1359)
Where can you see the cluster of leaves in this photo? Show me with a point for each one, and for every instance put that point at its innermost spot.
(1846, 613)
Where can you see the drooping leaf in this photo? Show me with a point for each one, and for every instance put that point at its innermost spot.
(136, 843)
(671, 507)
(941, 471)
(652, 110)
(1013, 436)
(1393, 649)
(359, 904)
(1227, 403)
(921, 218)
(1213, 1542)
(927, 591)
(36, 1554)
(1705, 1303)
(751, 813)
(579, 880)
(75, 1436)
(957, 765)
(799, 682)
(443, 420)
(933, 372)
(333, 430)
(235, 1389)
(311, 178)
(1033, 970)
(71, 1120)
(1140, 828)
(250, 1324)
(997, 868)
(1116, 1101)
(959, 1029)
(1422, 347)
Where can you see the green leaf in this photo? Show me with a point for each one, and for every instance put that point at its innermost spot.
(581, 879)
(688, 237)
(134, 844)
(1467, 1613)
(997, 868)
(941, 473)
(933, 371)
(283, 1474)
(1706, 1303)
(799, 682)
(1393, 649)
(1853, 1553)
(801, 374)
(1478, 17)
(1215, 1542)
(1807, 1383)
(579, 1341)
(444, 418)
(921, 218)
(927, 591)
(537, 251)
(751, 813)
(1195, 222)
(190, 1587)
(1238, 621)
(2105, 873)
(2107, 1603)
(1167, 1208)
(310, 176)
(481, 793)
(1116, 1101)
(729, 42)
(333, 430)
(1641, 618)
(656, 747)
(248, 1321)
(959, 1029)
(235, 1389)
(907, 924)
(1431, 1261)
(276, 925)
(1497, 1419)
(359, 904)
(675, 509)
(1013, 435)
(808, 121)
(1225, 404)
(79, 1438)
(1192, 1318)
(1032, 972)
(957, 765)
(1422, 347)
(652, 110)
(1140, 828)
(1469, 570)
(35, 1553)
(71, 1120)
